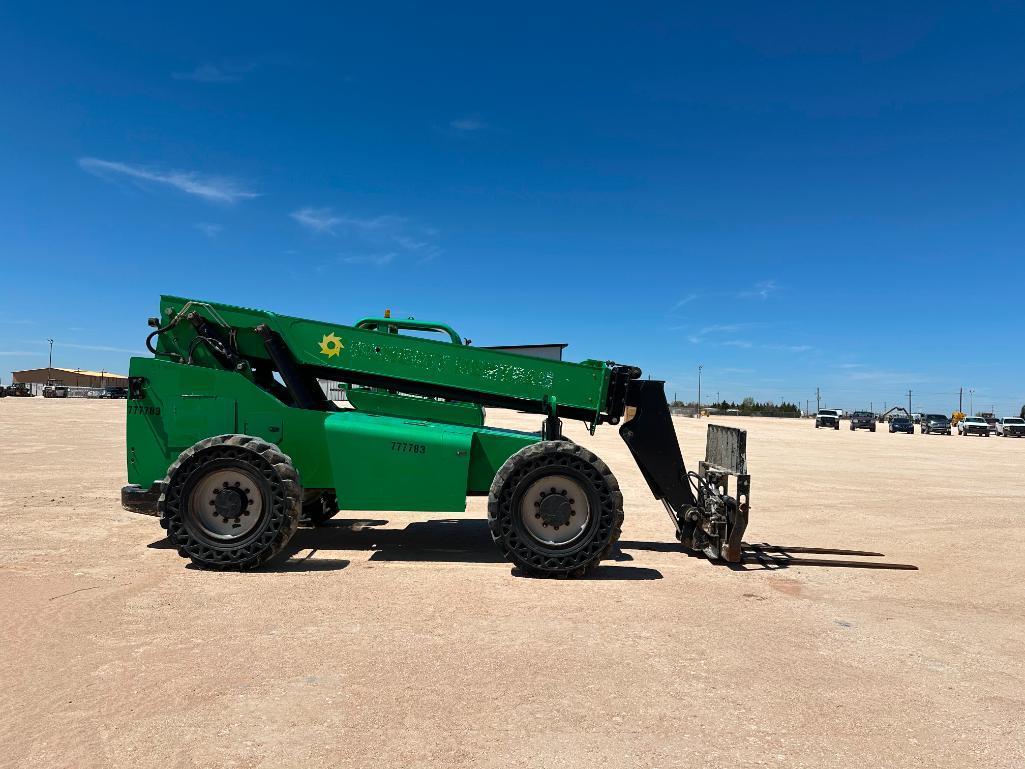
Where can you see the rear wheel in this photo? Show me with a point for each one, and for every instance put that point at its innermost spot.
(555, 509)
(231, 502)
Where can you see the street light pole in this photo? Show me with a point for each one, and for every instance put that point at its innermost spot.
(699, 389)
(49, 366)
(971, 401)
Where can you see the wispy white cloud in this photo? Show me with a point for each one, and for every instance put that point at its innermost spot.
(883, 376)
(215, 189)
(789, 347)
(378, 260)
(18, 321)
(20, 352)
(325, 220)
(214, 73)
(387, 235)
(716, 329)
(97, 347)
(684, 301)
(467, 124)
(210, 230)
(727, 328)
(761, 290)
(742, 343)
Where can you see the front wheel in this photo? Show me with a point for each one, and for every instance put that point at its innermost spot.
(231, 502)
(555, 509)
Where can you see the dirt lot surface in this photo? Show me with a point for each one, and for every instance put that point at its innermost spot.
(401, 640)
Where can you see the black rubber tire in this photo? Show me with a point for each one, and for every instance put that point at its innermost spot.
(279, 517)
(512, 480)
(837, 427)
(319, 509)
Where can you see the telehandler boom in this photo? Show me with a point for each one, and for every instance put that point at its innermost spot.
(232, 441)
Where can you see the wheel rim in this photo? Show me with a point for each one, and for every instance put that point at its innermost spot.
(226, 503)
(555, 510)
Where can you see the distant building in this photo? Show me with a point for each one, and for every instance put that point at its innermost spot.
(71, 377)
(546, 351)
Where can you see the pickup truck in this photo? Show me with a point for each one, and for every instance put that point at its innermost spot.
(1011, 427)
(827, 418)
(973, 425)
(863, 420)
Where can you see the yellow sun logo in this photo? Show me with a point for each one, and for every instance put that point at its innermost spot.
(330, 345)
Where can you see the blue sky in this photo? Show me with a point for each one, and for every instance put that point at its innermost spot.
(793, 195)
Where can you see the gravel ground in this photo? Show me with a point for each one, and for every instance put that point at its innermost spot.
(402, 640)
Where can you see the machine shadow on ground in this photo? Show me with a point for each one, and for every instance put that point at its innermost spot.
(445, 540)
(765, 557)
(283, 563)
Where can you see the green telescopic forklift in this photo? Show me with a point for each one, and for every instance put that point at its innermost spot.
(232, 441)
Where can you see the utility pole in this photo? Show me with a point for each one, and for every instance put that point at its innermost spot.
(909, 400)
(699, 388)
(49, 366)
(818, 400)
(960, 400)
(870, 407)
(971, 401)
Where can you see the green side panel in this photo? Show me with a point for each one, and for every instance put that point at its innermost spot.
(389, 463)
(395, 405)
(489, 451)
(199, 414)
(185, 404)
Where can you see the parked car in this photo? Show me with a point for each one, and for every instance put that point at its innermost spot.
(917, 417)
(114, 392)
(991, 421)
(828, 418)
(973, 426)
(902, 425)
(55, 391)
(935, 423)
(863, 420)
(1011, 427)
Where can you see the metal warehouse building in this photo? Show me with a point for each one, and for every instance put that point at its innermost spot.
(72, 377)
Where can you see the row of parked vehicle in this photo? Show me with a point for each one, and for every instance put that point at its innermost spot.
(23, 390)
(931, 424)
